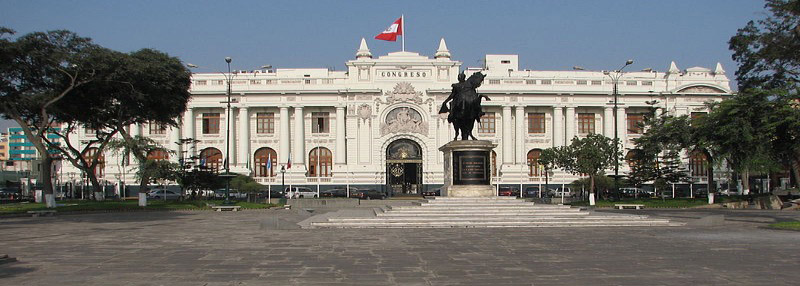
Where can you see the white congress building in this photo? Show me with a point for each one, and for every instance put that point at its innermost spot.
(376, 124)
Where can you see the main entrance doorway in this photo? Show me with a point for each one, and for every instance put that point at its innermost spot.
(404, 168)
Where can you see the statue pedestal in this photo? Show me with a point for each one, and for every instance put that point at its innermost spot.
(468, 168)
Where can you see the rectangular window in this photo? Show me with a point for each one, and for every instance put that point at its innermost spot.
(210, 123)
(547, 81)
(635, 123)
(488, 123)
(630, 82)
(320, 122)
(581, 82)
(200, 82)
(265, 122)
(88, 130)
(647, 83)
(536, 123)
(597, 82)
(585, 123)
(494, 81)
(530, 81)
(157, 128)
(255, 81)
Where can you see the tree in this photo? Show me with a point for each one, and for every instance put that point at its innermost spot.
(125, 149)
(246, 184)
(784, 124)
(589, 156)
(547, 159)
(733, 130)
(40, 70)
(147, 86)
(766, 49)
(657, 156)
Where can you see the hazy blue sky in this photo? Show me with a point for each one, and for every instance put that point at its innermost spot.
(547, 35)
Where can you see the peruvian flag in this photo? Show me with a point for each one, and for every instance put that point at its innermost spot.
(392, 32)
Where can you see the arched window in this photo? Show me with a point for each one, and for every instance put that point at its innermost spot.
(157, 155)
(534, 168)
(632, 157)
(211, 158)
(494, 163)
(261, 157)
(319, 162)
(698, 162)
(89, 155)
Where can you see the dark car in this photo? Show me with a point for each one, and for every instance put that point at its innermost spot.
(8, 194)
(368, 194)
(508, 191)
(333, 193)
(432, 193)
(531, 192)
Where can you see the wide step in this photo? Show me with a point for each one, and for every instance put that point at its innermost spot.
(445, 212)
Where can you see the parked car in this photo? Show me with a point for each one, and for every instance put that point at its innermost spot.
(10, 194)
(636, 192)
(299, 193)
(559, 192)
(232, 193)
(159, 194)
(531, 192)
(432, 193)
(368, 194)
(334, 193)
(508, 191)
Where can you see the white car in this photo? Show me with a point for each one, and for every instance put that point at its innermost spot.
(299, 193)
(557, 193)
(163, 194)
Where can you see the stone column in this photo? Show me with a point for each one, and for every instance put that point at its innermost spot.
(608, 122)
(558, 128)
(232, 143)
(283, 151)
(622, 127)
(520, 131)
(508, 147)
(570, 121)
(339, 152)
(299, 152)
(244, 136)
(189, 130)
(174, 139)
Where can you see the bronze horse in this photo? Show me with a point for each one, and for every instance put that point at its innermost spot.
(465, 108)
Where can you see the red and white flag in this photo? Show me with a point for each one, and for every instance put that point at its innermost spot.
(392, 32)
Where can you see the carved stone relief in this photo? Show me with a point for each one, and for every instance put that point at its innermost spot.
(700, 89)
(364, 111)
(403, 92)
(404, 120)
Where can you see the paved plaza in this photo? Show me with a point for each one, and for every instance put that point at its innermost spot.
(266, 247)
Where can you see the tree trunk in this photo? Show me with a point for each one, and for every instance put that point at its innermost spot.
(46, 178)
(96, 187)
(795, 170)
(140, 157)
(745, 175)
(710, 184)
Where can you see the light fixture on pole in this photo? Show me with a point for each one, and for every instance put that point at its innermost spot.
(227, 174)
(615, 76)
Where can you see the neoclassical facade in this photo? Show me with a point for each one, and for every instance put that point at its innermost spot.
(376, 124)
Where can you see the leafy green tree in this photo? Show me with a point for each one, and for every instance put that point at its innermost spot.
(547, 159)
(147, 86)
(589, 156)
(246, 184)
(766, 49)
(200, 179)
(600, 183)
(40, 70)
(125, 149)
(734, 131)
(657, 156)
(784, 125)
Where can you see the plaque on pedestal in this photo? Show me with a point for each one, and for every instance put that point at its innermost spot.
(468, 168)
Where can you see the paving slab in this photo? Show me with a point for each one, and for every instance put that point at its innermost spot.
(211, 248)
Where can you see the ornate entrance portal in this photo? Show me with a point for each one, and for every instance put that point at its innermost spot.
(404, 168)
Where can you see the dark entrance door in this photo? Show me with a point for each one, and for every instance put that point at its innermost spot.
(404, 168)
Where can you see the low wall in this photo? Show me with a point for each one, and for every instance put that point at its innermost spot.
(316, 203)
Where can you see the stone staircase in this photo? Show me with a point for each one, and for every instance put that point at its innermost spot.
(449, 212)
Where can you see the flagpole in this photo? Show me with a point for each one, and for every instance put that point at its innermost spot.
(403, 29)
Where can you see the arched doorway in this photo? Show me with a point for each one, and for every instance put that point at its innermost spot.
(404, 168)
(99, 169)
(211, 159)
(157, 155)
(261, 157)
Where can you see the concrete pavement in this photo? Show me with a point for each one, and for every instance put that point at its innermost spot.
(268, 248)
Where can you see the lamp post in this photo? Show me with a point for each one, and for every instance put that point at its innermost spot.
(227, 175)
(615, 76)
(283, 178)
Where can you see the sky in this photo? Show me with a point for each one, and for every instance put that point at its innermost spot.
(547, 35)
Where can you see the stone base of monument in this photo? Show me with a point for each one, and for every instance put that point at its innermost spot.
(467, 168)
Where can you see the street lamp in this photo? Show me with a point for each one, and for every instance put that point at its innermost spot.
(615, 76)
(283, 179)
(227, 174)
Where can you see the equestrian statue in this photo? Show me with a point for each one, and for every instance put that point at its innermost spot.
(465, 108)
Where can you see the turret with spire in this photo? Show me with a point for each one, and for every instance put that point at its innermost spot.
(442, 51)
(363, 50)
